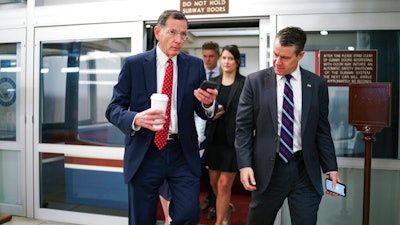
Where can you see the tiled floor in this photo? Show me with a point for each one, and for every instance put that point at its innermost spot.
(16, 220)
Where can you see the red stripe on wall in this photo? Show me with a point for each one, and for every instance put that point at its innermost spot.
(93, 161)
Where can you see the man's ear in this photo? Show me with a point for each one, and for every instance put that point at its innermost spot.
(300, 55)
(157, 30)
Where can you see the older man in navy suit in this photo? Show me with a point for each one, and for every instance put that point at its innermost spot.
(147, 165)
(283, 137)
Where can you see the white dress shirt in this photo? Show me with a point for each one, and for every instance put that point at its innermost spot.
(297, 98)
(215, 72)
(162, 63)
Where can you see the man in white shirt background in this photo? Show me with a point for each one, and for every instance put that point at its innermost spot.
(210, 51)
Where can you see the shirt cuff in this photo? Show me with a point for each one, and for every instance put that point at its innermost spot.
(331, 172)
(135, 128)
(209, 110)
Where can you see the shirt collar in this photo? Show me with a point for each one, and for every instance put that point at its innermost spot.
(213, 70)
(295, 74)
(162, 57)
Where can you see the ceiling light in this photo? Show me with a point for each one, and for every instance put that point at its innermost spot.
(323, 32)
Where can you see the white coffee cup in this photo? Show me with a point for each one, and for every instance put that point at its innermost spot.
(159, 101)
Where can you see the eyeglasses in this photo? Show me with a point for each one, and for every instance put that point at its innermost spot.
(173, 33)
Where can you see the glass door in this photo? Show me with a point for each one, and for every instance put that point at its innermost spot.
(78, 153)
(12, 121)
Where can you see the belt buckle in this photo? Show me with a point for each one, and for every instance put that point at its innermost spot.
(298, 154)
(173, 137)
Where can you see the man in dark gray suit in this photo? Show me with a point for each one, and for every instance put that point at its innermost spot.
(263, 169)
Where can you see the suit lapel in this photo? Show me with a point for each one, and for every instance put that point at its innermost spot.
(183, 70)
(270, 97)
(306, 90)
(232, 92)
(150, 72)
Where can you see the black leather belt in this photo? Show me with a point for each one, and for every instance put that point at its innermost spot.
(295, 155)
(298, 154)
(173, 137)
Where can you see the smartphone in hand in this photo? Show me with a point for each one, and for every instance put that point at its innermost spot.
(208, 84)
(339, 189)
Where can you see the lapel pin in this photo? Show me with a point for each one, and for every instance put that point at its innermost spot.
(309, 85)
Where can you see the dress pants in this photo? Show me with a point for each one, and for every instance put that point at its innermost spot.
(289, 180)
(168, 164)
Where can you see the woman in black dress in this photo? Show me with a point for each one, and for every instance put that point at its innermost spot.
(221, 155)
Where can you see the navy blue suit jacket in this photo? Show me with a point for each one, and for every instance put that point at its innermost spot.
(257, 138)
(137, 81)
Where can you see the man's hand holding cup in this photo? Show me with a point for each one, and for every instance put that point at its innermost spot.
(159, 102)
(154, 117)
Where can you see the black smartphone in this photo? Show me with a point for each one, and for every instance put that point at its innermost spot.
(208, 84)
(339, 189)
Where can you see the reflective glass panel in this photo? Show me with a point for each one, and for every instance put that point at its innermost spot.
(10, 177)
(82, 184)
(10, 72)
(76, 81)
(384, 206)
(348, 141)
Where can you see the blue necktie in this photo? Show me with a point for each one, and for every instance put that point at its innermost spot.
(210, 74)
(286, 141)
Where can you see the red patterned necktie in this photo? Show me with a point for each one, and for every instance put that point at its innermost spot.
(286, 141)
(162, 135)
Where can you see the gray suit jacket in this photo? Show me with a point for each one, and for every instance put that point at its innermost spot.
(257, 138)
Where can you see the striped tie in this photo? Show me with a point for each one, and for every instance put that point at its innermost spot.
(286, 141)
